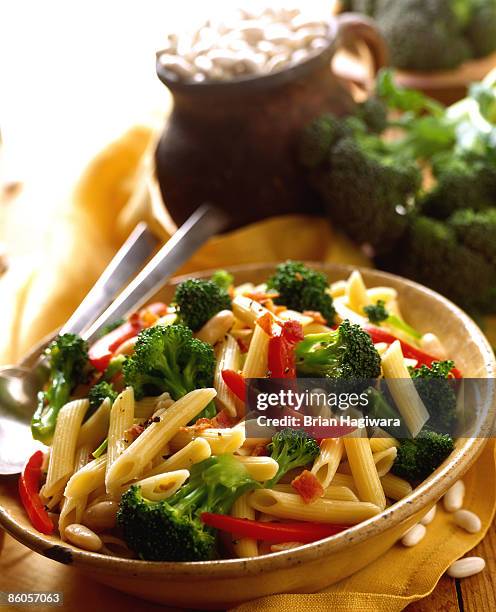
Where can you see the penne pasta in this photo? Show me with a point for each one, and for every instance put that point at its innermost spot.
(144, 408)
(228, 358)
(395, 487)
(326, 464)
(195, 451)
(403, 390)
(220, 440)
(381, 444)
(316, 328)
(364, 471)
(131, 463)
(62, 456)
(384, 460)
(332, 492)
(244, 547)
(343, 311)
(356, 293)
(248, 310)
(256, 363)
(386, 294)
(121, 419)
(162, 486)
(259, 468)
(216, 327)
(289, 506)
(94, 430)
(293, 315)
(338, 288)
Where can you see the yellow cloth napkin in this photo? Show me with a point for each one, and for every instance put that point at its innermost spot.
(39, 292)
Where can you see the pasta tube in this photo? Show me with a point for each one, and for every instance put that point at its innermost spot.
(395, 487)
(364, 471)
(63, 451)
(259, 468)
(326, 463)
(131, 462)
(195, 451)
(356, 292)
(332, 492)
(228, 358)
(94, 430)
(162, 486)
(403, 390)
(221, 441)
(121, 419)
(256, 363)
(244, 547)
(288, 506)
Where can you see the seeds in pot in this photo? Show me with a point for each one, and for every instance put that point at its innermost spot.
(277, 34)
(276, 62)
(299, 56)
(468, 566)
(429, 517)
(177, 65)
(203, 63)
(82, 536)
(414, 535)
(467, 520)
(319, 43)
(453, 498)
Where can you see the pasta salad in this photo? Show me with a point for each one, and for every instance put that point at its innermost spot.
(149, 453)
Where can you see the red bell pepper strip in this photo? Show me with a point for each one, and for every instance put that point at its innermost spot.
(236, 383)
(278, 533)
(29, 487)
(410, 352)
(281, 359)
(101, 351)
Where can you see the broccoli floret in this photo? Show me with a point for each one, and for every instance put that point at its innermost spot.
(291, 448)
(481, 31)
(114, 367)
(300, 288)
(172, 529)
(168, 358)
(318, 138)
(98, 393)
(377, 313)
(347, 352)
(418, 458)
(431, 255)
(438, 395)
(68, 359)
(477, 231)
(422, 34)
(367, 193)
(198, 300)
(223, 279)
(460, 184)
(373, 112)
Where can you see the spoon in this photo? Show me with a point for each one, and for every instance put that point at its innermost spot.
(19, 386)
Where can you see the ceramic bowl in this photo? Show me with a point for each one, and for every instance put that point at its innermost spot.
(224, 583)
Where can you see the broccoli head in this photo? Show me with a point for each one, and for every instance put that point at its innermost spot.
(301, 288)
(291, 448)
(419, 457)
(198, 300)
(318, 138)
(481, 31)
(437, 393)
(99, 392)
(477, 231)
(223, 279)
(431, 254)
(172, 529)
(374, 114)
(168, 358)
(367, 192)
(347, 352)
(68, 360)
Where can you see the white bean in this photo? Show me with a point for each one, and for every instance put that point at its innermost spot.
(223, 57)
(204, 63)
(177, 65)
(299, 55)
(429, 517)
(467, 520)
(81, 536)
(101, 516)
(319, 43)
(216, 327)
(468, 566)
(276, 62)
(304, 21)
(413, 535)
(278, 34)
(453, 498)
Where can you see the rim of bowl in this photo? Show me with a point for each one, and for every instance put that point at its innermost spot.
(427, 491)
(254, 82)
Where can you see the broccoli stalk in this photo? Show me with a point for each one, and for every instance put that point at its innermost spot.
(198, 300)
(291, 448)
(437, 393)
(300, 288)
(68, 358)
(171, 529)
(418, 458)
(347, 352)
(168, 358)
(377, 314)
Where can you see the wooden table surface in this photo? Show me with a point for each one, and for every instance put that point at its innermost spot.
(24, 570)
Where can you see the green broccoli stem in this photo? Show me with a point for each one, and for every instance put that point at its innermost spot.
(400, 324)
(100, 450)
(49, 405)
